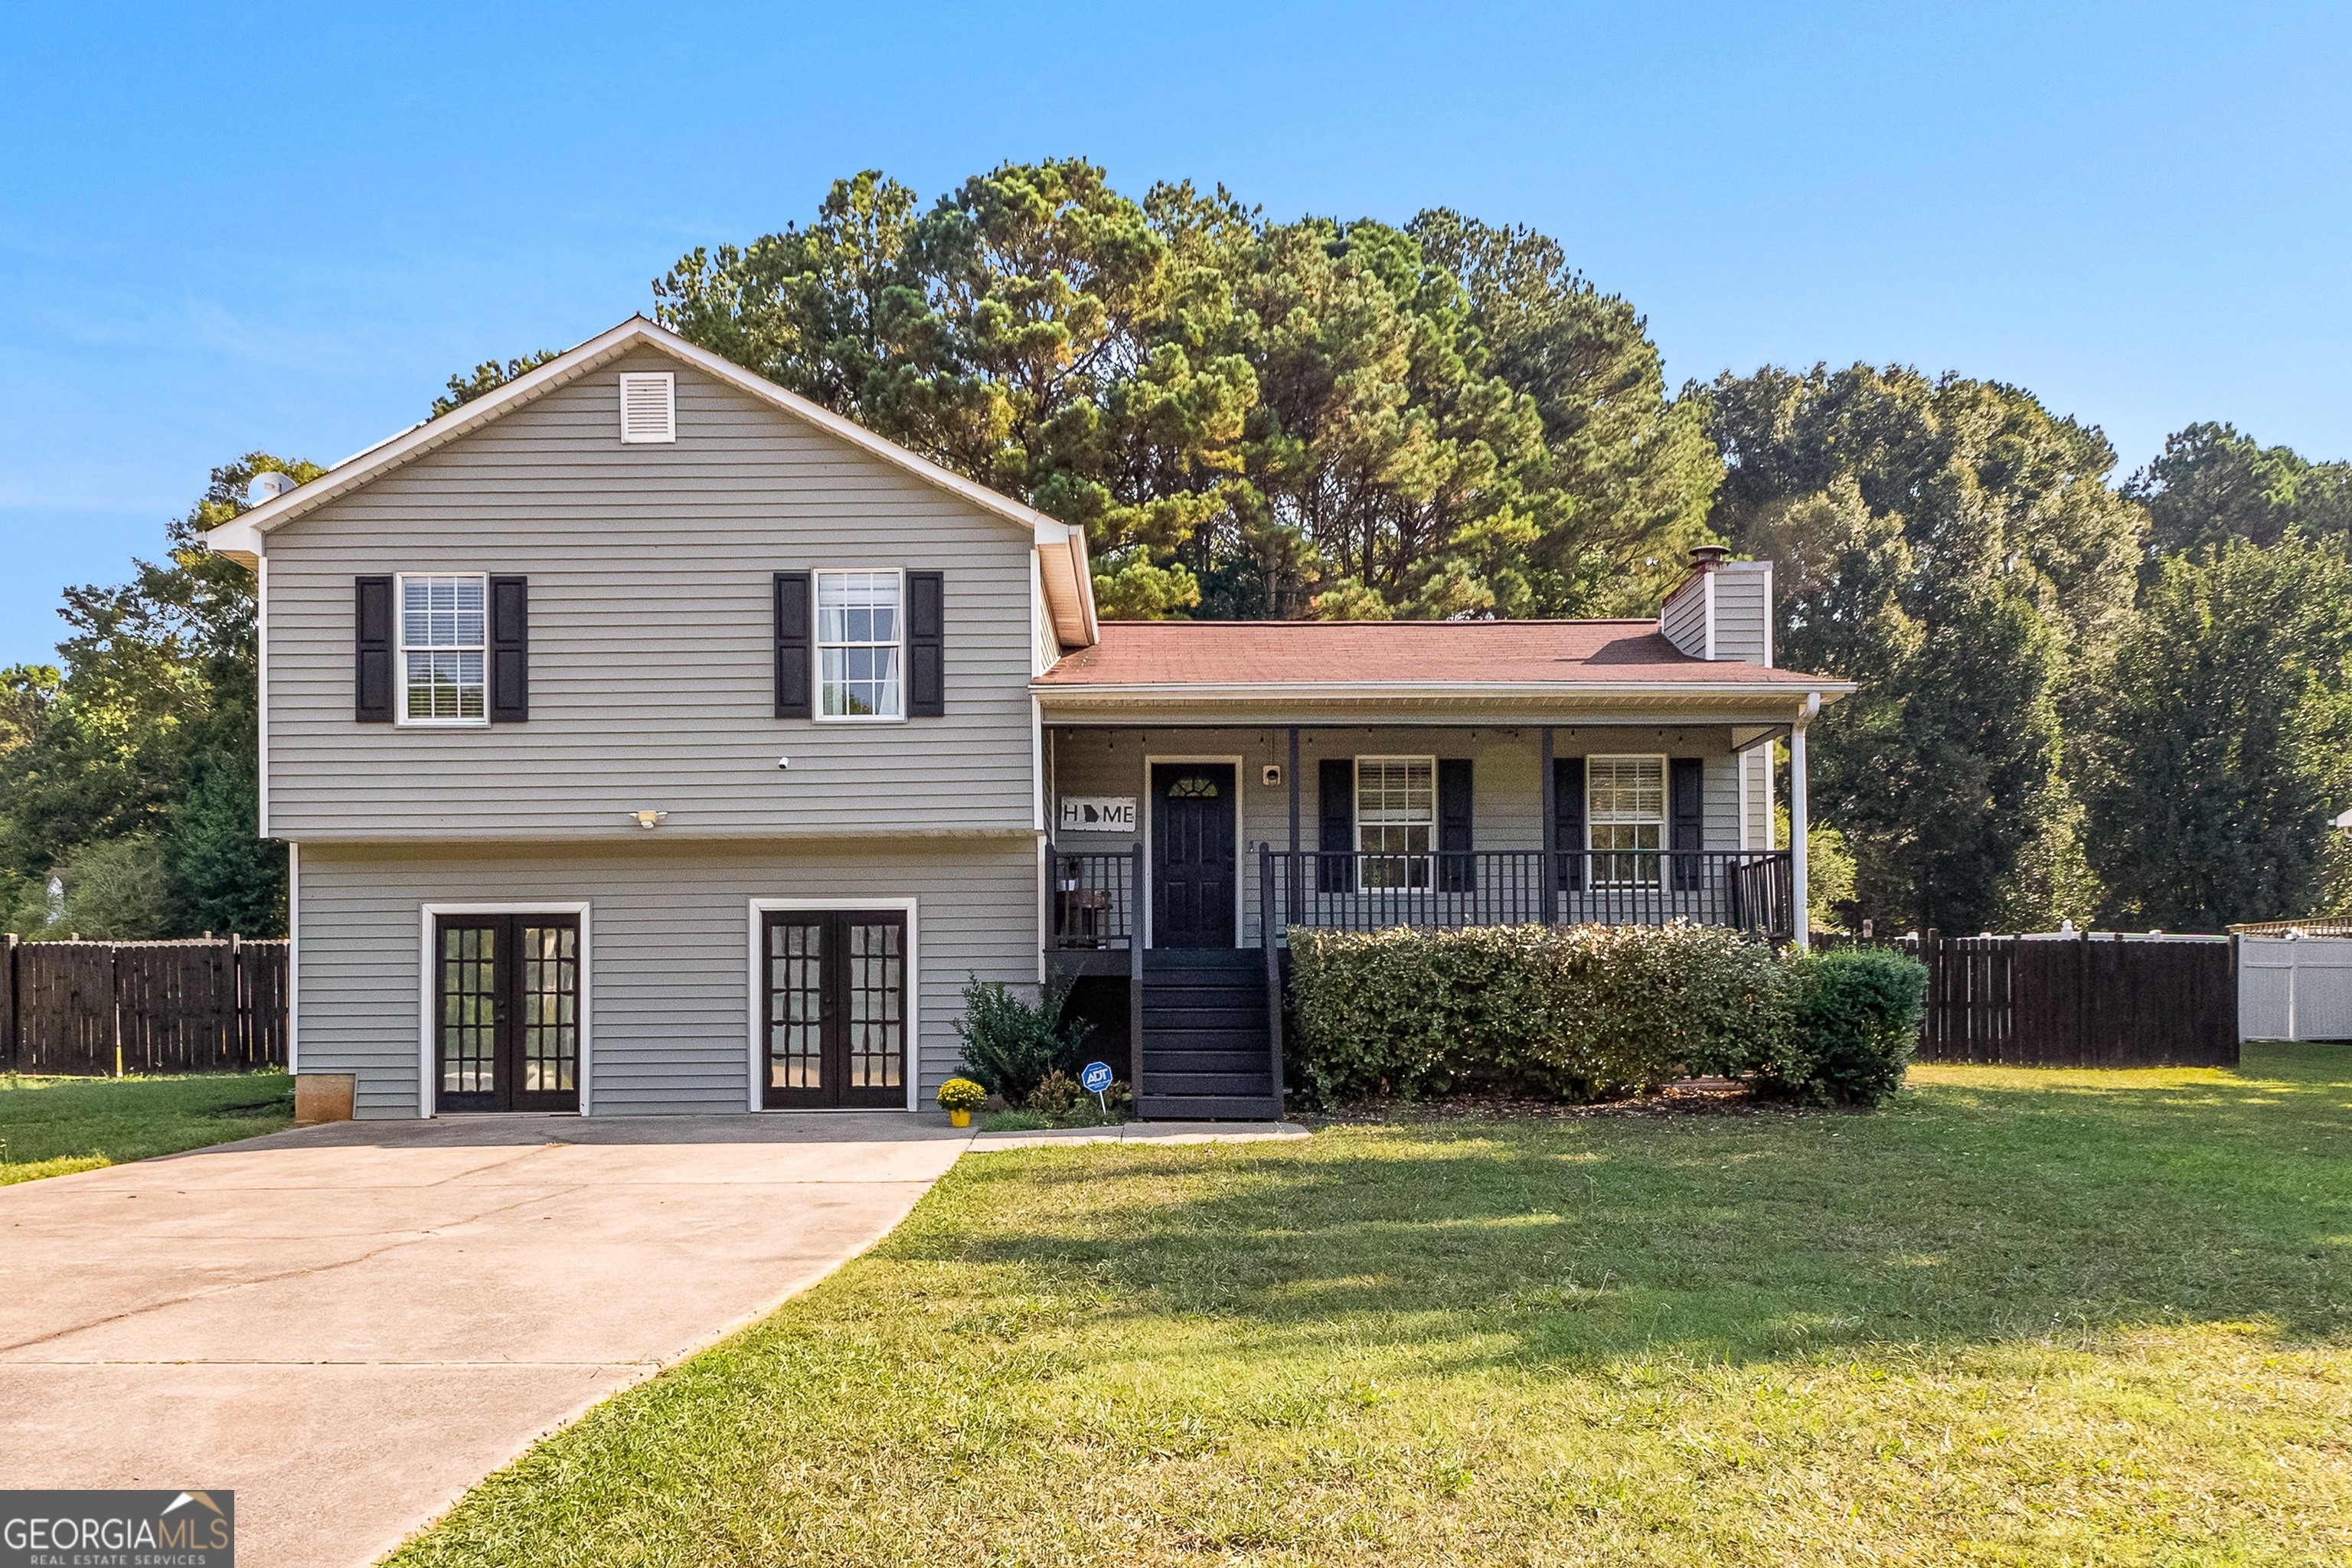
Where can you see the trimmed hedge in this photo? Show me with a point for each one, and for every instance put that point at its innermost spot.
(1856, 1024)
(1570, 1013)
(1581, 1012)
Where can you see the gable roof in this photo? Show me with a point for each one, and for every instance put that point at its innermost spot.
(1061, 547)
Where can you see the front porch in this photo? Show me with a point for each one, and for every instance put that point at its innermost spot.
(1176, 850)
(1207, 837)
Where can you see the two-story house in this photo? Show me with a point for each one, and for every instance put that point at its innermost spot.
(649, 739)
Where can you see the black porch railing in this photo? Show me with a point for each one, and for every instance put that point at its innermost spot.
(1093, 899)
(1748, 890)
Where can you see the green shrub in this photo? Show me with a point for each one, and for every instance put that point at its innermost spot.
(1064, 1102)
(1010, 1044)
(1570, 1013)
(1855, 1023)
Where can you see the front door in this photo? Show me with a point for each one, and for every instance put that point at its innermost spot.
(1192, 868)
(836, 984)
(507, 1012)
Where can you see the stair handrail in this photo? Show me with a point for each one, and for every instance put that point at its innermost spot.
(1135, 926)
(1273, 949)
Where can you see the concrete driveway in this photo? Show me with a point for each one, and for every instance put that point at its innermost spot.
(349, 1325)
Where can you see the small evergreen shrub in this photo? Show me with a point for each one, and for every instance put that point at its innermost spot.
(1010, 1044)
(1064, 1102)
(1854, 1024)
(1573, 1012)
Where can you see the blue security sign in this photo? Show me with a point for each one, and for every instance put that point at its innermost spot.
(1097, 1078)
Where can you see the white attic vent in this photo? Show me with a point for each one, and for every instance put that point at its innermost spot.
(648, 408)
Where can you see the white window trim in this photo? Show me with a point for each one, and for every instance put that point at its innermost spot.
(816, 647)
(427, 1080)
(1241, 837)
(668, 381)
(1666, 810)
(1358, 803)
(400, 655)
(1356, 809)
(754, 977)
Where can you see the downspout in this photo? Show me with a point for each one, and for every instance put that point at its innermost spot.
(1801, 920)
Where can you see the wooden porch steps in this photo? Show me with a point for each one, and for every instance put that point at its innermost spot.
(1207, 1054)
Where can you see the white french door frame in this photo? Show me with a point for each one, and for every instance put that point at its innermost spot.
(755, 976)
(427, 1086)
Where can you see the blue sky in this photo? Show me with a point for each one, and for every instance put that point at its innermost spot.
(254, 228)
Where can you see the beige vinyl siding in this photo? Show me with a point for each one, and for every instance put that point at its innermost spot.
(1758, 762)
(1507, 778)
(1743, 608)
(1683, 619)
(651, 635)
(669, 951)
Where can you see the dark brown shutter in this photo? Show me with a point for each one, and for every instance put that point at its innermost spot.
(1687, 819)
(1334, 811)
(1567, 820)
(1457, 870)
(927, 674)
(794, 699)
(509, 649)
(372, 649)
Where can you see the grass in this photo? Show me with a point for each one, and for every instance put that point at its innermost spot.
(2019, 1317)
(53, 1126)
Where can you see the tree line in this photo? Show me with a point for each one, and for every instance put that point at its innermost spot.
(2119, 698)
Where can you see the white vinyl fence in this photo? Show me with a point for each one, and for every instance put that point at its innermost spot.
(2295, 988)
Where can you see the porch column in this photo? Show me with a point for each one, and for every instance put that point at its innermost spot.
(1545, 785)
(1797, 819)
(1293, 777)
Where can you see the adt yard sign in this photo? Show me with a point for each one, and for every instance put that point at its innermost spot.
(1097, 1078)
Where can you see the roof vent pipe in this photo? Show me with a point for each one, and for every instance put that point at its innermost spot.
(266, 488)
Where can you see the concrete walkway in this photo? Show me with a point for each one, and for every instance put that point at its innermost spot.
(350, 1325)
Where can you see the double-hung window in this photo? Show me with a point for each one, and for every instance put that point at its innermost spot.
(1396, 820)
(860, 639)
(1626, 816)
(444, 640)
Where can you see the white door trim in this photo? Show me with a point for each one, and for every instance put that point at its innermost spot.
(426, 1087)
(754, 989)
(1241, 835)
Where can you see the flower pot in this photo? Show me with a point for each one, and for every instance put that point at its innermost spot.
(959, 1117)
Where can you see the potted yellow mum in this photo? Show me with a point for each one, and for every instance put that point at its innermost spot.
(959, 1097)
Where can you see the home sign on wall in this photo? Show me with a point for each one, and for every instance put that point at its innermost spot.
(1097, 814)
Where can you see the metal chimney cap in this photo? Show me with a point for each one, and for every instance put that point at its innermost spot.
(266, 487)
(1707, 557)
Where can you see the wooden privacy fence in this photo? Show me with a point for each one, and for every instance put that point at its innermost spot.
(2108, 999)
(96, 1008)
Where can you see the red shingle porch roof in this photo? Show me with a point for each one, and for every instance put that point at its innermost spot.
(1258, 654)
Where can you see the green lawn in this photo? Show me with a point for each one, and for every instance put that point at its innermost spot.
(2020, 1317)
(54, 1125)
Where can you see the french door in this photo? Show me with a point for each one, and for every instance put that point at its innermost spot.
(506, 1015)
(835, 995)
